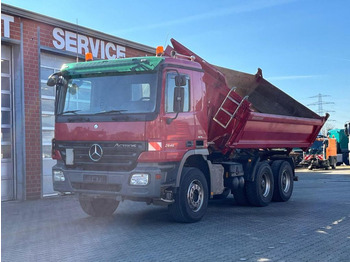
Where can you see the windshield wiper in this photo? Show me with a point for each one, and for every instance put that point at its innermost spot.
(69, 112)
(79, 119)
(110, 112)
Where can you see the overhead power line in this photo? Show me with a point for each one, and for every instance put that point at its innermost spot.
(320, 104)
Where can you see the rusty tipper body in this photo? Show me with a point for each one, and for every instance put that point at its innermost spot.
(174, 130)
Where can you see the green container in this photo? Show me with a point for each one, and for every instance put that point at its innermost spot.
(342, 139)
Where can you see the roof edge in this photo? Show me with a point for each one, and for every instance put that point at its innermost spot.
(9, 9)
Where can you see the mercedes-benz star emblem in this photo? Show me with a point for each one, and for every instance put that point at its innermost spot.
(95, 152)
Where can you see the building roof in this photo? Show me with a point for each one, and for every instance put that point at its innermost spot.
(12, 10)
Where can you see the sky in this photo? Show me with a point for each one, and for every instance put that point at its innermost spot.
(302, 46)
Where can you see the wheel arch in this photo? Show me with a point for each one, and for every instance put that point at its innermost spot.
(194, 158)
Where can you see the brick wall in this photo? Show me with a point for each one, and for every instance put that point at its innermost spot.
(32, 109)
(32, 98)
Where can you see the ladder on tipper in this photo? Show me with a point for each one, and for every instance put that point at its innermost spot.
(242, 109)
(223, 109)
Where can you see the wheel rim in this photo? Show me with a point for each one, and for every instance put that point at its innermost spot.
(265, 185)
(285, 181)
(195, 195)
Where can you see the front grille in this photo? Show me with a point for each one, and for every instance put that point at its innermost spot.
(97, 187)
(117, 156)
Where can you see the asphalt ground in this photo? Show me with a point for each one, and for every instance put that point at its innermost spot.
(314, 225)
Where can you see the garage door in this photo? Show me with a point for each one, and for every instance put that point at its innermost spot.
(7, 154)
(49, 64)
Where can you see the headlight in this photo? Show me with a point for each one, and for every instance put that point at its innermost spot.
(58, 176)
(139, 179)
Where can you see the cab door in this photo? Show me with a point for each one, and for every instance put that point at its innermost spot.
(179, 132)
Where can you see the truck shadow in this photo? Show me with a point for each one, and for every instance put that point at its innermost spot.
(135, 215)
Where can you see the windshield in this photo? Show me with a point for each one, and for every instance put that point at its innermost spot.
(316, 148)
(114, 94)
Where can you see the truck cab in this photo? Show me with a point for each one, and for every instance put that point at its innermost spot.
(115, 133)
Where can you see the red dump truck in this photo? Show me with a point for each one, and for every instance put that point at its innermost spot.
(174, 130)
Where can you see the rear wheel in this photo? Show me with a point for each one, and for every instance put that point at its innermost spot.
(260, 191)
(333, 162)
(283, 178)
(347, 160)
(98, 207)
(191, 200)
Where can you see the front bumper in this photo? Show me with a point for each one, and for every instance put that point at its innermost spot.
(115, 183)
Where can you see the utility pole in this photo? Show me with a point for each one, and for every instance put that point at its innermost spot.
(320, 103)
(321, 111)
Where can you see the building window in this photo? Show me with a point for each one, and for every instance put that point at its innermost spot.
(47, 110)
(6, 113)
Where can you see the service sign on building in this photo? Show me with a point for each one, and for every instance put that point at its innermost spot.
(82, 44)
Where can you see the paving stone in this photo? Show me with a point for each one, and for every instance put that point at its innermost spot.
(313, 226)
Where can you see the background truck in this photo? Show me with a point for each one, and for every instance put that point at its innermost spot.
(342, 145)
(321, 154)
(347, 133)
(174, 130)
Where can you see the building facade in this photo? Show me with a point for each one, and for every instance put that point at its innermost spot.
(33, 46)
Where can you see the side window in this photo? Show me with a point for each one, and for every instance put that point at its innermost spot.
(169, 93)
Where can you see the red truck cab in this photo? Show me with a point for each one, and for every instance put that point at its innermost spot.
(115, 132)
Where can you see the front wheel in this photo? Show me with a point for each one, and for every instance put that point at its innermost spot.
(334, 166)
(191, 200)
(98, 207)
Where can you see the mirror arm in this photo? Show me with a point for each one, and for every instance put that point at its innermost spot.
(169, 120)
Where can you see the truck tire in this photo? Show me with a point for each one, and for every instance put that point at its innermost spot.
(260, 191)
(98, 207)
(283, 180)
(191, 200)
(346, 161)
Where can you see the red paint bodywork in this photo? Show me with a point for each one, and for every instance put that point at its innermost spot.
(248, 129)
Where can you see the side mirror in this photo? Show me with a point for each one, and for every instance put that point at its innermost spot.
(178, 103)
(52, 81)
(61, 81)
(180, 80)
(56, 79)
(346, 126)
(179, 97)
